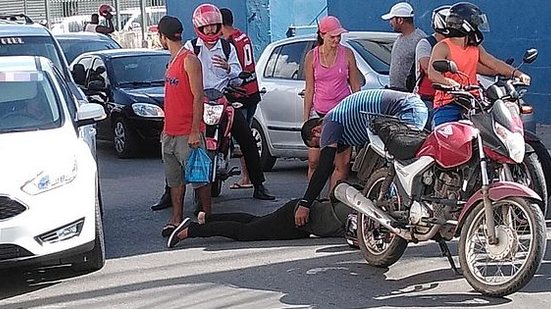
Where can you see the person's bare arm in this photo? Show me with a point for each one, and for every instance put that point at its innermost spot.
(355, 76)
(110, 27)
(309, 91)
(439, 52)
(192, 65)
(500, 67)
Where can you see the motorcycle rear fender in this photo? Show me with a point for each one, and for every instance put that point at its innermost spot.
(497, 191)
(212, 143)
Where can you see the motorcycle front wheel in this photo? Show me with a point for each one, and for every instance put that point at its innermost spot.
(504, 268)
(379, 247)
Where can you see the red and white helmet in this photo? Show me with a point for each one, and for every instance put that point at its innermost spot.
(104, 9)
(205, 15)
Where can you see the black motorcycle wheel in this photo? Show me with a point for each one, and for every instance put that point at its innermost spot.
(379, 247)
(504, 268)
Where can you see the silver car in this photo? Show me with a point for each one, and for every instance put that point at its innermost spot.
(280, 71)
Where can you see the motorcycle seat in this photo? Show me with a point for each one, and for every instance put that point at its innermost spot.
(401, 140)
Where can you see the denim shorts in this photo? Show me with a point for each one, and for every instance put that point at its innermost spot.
(414, 111)
(447, 113)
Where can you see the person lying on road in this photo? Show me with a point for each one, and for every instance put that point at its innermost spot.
(327, 219)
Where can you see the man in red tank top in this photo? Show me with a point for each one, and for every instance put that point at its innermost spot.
(183, 125)
(244, 49)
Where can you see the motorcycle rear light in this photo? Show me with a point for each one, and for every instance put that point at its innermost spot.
(526, 109)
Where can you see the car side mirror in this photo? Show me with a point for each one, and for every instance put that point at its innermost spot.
(530, 55)
(90, 113)
(444, 66)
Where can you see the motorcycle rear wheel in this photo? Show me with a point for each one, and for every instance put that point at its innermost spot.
(502, 269)
(379, 247)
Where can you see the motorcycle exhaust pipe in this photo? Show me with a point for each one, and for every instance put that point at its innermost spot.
(356, 200)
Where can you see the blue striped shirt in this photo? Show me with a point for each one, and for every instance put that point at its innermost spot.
(352, 123)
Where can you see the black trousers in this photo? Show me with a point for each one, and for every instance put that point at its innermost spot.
(244, 137)
(279, 225)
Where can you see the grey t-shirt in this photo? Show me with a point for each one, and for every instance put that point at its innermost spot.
(402, 57)
(423, 50)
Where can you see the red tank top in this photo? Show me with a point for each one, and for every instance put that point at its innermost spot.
(178, 106)
(244, 49)
(466, 59)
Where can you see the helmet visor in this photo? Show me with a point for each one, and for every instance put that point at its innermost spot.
(483, 25)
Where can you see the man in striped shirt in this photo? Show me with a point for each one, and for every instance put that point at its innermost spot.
(346, 125)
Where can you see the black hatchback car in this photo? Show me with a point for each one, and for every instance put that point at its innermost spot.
(130, 85)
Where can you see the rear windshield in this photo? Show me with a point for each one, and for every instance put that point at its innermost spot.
(28, 102)
(375, 52)
(31, 46)
(73, 48)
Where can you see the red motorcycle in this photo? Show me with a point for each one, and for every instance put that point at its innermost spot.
(218, 113)
(440, 186)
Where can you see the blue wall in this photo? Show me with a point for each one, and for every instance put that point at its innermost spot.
(264, 20)
(515, 26)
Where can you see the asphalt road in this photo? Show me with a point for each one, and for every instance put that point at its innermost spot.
(217, 273)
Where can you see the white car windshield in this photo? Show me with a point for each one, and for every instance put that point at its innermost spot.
(28, 102)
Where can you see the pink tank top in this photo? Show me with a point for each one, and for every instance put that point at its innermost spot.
(330, 84)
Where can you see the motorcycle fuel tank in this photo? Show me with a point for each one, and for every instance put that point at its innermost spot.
(450, 144)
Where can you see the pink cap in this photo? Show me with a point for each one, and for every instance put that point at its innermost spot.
(331, 25)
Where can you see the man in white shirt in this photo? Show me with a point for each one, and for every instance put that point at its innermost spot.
(221, 67)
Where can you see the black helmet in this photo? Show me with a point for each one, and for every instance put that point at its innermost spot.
(466, 19)
(439, 18)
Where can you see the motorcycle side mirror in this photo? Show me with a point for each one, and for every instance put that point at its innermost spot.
(530, 55)
(444, 66)
(244, 75)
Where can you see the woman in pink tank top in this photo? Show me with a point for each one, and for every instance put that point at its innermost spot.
(331, 75)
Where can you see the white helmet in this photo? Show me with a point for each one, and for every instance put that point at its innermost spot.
(439, 18)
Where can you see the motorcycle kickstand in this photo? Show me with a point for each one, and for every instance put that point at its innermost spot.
(446, 252)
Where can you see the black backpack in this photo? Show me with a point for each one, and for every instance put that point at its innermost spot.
(412, 80)
(226, 48)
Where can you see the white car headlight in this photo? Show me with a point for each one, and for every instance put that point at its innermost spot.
(212, 114)
(513, 141)
(50, 179)
(148, 110)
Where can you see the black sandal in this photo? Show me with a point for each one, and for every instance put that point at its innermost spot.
(168, 229)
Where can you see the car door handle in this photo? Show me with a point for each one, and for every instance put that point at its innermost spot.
(263, 90)
(302, 93)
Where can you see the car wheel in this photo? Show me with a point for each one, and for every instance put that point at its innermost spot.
(95, 258)
(267, 161)
(125, 139)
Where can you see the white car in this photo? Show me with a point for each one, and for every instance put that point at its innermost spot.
(49, 186)
(280, 72)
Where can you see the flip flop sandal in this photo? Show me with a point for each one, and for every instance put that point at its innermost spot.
(173, 240)
(237, 186)
(168, 229)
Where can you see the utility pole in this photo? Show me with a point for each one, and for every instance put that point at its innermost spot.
(118, 13)
(144, 23)
(47, 2)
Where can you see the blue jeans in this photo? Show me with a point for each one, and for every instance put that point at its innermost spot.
(447, 113)
(415, 112)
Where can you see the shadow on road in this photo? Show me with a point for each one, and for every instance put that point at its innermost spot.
(358, 284)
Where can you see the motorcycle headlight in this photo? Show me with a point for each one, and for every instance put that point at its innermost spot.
(212, 114)
(513, 141)
(148, 110)
(52, 178)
